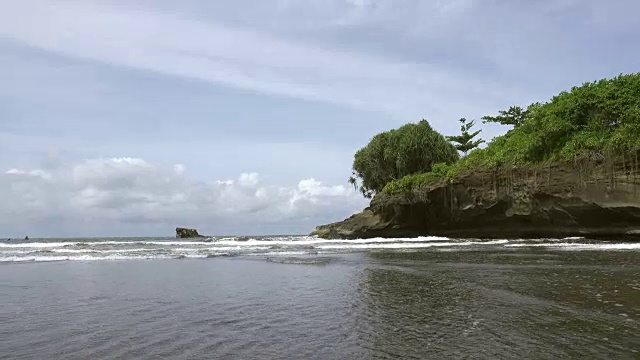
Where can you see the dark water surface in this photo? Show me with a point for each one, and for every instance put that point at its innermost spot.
(440, 302)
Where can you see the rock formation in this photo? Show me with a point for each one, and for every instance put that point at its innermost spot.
(184, 233)
(594, 198)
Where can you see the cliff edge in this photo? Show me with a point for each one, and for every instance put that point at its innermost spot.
(592, 198)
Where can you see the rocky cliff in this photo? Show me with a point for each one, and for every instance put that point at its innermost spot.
(592, 198)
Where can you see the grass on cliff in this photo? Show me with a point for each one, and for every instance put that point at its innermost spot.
(596, 119)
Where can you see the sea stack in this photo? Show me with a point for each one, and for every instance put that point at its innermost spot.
(185, 233)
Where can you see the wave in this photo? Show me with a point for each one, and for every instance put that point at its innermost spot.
(110, 251)
(411, 246)
(223, 241)
(15, 259)
(218, 240)
(135, 249)
(122, 257)
(583, 246)
(72, 258)
(22, 251)
(36, 245)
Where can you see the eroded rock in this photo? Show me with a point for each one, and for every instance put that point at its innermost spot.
(593, 200)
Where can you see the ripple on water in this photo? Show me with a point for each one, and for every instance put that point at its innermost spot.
(301, 260)
(386, 304)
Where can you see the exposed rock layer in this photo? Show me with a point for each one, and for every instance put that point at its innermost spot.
(590, 198)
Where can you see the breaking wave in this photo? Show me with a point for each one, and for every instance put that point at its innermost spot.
(45, 250)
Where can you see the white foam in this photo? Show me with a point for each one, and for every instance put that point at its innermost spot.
(74, 251)
(16, 252)
(111, 251)
(583, 246)
(282, 253)
(69, 244)
(409, 246)
(303, 240)
(280, 246)
(307, 240)
(90, 258)
(173, 243)
(31, 258)
(36, 245)
(219, 248)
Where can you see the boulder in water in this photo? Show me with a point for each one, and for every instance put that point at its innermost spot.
(185, 233)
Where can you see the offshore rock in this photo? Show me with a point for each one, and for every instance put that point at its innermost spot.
(593, 198)
(185, 233)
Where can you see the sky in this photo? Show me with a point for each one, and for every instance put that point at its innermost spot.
(123, 118)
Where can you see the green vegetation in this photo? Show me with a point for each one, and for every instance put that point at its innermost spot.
(596, 118)
(439, 172)
(514, 116)
(464, 142)
(391, 155)
(599, 119)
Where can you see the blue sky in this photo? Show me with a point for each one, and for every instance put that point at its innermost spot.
(129, 118)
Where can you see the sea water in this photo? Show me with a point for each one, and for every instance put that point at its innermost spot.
(301, 297)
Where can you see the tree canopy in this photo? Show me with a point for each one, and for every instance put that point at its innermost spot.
(515, 116)
(464, 142)
(597, 119)
(410, 149)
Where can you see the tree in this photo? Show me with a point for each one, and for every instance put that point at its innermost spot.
(515, 116)
(391, 155)
(464, 142)
(600, 118)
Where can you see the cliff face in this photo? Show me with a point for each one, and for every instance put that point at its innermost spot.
(591, 198)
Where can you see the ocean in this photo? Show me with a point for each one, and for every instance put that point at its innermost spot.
(299, 297)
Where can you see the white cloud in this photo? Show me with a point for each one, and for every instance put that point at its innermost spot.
(179, 169)
(249, 180)
(109, 192)
(244, 58)
(33, 173)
